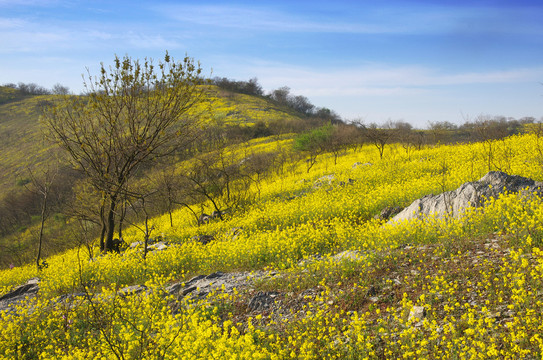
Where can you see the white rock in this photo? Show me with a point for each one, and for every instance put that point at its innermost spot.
(416, 314)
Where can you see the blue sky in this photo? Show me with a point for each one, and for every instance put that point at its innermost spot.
(417, 61)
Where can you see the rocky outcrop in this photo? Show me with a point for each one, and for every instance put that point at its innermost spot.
(453, 203)
(196, 288)
(19, 294)
(200, 286)
(263, 300)
(388, 212)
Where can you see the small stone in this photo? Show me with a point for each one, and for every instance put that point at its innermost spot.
(372, 291)
(348, 254)
(416, 314)
(33, 281)
(159, 246)
(203, 239)
(263, 300)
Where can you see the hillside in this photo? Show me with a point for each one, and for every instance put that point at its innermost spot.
(26, 154)
(330, 280)
(22, 144)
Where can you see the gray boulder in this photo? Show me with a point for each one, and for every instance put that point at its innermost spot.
(453, 203)
(203, 239)
(388, 212)
(159, 246)
(357, 164)
(19, 294)
(324, 180)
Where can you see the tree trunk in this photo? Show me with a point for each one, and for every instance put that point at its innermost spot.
(121, 220)
(40, 238)
(103, 230)
(110, 224)
(146, 238)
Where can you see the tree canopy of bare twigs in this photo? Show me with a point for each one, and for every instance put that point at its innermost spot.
(133, 113)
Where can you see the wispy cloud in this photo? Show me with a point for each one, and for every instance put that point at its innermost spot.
(267, 19)
(31, 41)
(381, 80)
(19, 36)
(393, 19)
(12, 23)
(221, 16)
(13, 3)
(146, 41)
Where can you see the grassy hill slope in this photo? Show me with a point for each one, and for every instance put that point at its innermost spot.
(26, 153)
(22, 144)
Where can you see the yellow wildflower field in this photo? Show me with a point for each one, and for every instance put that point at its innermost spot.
(466, 288)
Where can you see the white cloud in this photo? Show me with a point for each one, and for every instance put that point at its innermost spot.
(366, 19)
(31, 41)
(379, 80)
(267, 19)
(145, 41)
(12, 23)
(42, 3)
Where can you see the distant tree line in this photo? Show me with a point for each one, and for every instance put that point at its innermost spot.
(35, 89)
(482, 128)
(340, 137)
(250, 87)
(282, 96)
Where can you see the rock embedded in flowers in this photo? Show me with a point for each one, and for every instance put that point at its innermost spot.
(357, 164)
(204, 219)
(130, 290)
(324, 180)
(388, 212)
(263, 300)
(416, 314)
(454, 203)
(203, 239)
(159, 246)
(19, 294)
(352, 255)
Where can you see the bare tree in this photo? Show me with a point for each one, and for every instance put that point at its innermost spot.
(343, 136)
(59, 89)
(281, 95)
(133, 114)
(42, 187)
(442, 131)
(213, 177)
(380, 135)
(488, 129)
(302, 104)
(405, 136)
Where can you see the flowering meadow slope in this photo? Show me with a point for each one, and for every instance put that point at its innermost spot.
(463, 288)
